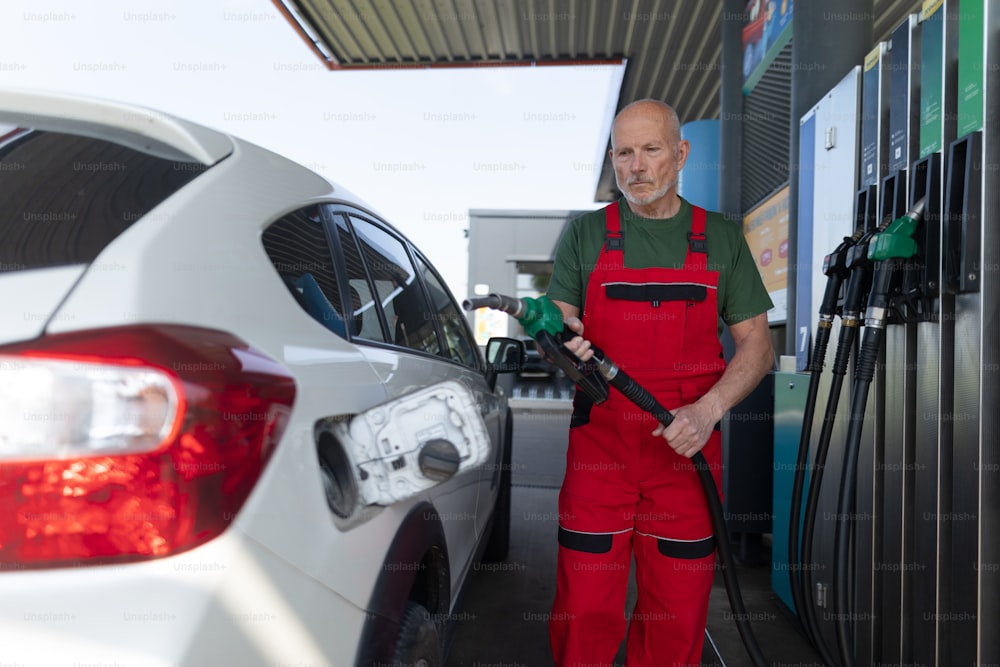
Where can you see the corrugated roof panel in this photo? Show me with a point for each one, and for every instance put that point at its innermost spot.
(703, 66)
(329, 27)
(615, 32)
(416, 31)
(452, 24)
(706, 88)
(492, 28)
(357, 26)
(398, 34)
(467, 17)
(440, 50)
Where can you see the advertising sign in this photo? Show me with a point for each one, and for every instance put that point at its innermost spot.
(766, 230)
(767, 30)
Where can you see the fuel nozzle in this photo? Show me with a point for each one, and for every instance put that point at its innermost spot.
(836, 267)
(542, 320)
(533, 314)
(888, 247)
(896, 241)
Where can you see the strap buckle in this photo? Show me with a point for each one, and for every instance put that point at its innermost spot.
(697, 243)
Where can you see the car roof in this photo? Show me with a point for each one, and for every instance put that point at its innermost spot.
(135, 126)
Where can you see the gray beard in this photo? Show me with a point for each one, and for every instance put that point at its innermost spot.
(648, 199)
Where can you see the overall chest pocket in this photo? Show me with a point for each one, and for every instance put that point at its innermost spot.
(653, 317)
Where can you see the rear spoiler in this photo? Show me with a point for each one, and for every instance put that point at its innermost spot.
(142, 129)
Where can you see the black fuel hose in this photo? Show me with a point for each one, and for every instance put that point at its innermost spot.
(835, 266)
(871, 348)
(846, 501)
(857, 289)
(641, 397)
(798, 486)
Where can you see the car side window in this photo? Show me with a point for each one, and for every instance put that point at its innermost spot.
(298, 248)
(459, 343)
(365, 310)
(397, 287)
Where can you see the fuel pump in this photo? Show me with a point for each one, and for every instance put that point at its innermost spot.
(886, 247)
(542, 320)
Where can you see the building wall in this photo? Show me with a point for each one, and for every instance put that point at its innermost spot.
(500, 243)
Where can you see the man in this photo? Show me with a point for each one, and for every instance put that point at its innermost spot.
(650, 276)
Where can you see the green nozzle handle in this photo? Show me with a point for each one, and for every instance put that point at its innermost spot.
(896, 241)
(541, 315)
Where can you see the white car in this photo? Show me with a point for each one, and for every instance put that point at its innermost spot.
(242, 420)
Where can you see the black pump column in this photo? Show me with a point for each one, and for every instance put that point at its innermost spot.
(893, 567)
(969, 245)
(935, 345)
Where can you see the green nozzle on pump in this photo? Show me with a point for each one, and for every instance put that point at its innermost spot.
(897, 239)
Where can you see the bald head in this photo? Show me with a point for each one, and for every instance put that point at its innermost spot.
(650, 111)
(648, 153)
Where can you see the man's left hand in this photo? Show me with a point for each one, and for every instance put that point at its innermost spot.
(690, 430)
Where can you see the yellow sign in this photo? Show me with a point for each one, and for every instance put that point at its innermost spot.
(766, 232)
(929, 7)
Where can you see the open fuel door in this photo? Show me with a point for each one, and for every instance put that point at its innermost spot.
(412, 443)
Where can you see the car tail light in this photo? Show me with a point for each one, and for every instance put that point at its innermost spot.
(131, 443)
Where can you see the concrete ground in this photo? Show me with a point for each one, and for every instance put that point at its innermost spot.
(503, 621)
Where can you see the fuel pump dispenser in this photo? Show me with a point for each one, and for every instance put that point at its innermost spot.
(542, 320)
(917, 494)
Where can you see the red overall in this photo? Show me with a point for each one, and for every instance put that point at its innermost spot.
(625, 490)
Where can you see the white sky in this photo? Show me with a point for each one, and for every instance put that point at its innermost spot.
(422, 147)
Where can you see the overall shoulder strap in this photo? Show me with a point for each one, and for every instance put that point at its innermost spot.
(697, 252)
(614, 242)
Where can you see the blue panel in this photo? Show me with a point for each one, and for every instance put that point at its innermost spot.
(790, 390)
(899, 86)
(870, 82)
(804, 247)
(699, 180)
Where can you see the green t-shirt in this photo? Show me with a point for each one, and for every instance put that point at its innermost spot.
(662, 243)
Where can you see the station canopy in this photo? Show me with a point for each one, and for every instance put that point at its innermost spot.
(672, 48)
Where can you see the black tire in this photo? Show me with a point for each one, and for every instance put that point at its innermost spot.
(418, 644)
(499, 540)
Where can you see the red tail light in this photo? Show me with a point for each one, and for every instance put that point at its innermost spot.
(131, 443)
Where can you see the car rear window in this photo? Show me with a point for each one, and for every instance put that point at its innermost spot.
(64, 198)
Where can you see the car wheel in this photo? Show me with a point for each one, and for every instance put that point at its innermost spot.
(418, 644)
(499, 540)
